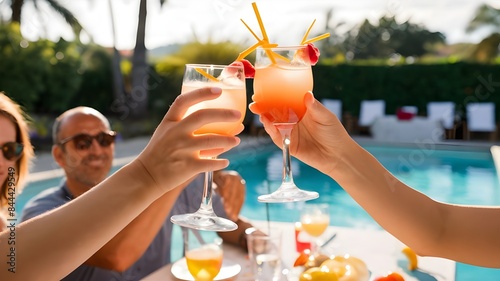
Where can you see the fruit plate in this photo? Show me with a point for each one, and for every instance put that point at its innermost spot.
(228, 270)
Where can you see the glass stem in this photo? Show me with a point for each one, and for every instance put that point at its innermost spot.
(285, 131)
(206, 200)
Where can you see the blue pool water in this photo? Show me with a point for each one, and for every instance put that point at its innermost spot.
(452, 174)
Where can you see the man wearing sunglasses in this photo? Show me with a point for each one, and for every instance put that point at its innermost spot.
(84, 148)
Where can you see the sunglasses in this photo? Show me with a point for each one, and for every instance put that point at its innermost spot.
(84, 141)
(12, 150)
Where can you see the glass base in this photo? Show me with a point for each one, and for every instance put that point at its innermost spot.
(290, 193)
(204, 222)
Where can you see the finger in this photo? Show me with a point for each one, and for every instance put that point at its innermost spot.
(202, 117)
(211, 142)
(212, 164)
(185, 100)
(237, 130)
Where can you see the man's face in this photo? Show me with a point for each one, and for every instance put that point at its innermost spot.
(84, 166)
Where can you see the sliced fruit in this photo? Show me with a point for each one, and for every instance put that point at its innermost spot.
(313, 53)
(412, 258)
(247, 66)
(302, 258)
(392, 276)
(318, 274)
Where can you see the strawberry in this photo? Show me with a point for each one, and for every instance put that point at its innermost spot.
(313, 53)
(249, 69)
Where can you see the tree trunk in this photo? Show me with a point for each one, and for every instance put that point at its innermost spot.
(119, 104)
(140, 88)
(16, 7)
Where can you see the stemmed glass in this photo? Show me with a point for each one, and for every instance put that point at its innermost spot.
(203, 259)
(283, 76)
(315, 218)
(232, 81)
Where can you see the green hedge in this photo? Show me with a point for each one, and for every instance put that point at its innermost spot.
(408, 84)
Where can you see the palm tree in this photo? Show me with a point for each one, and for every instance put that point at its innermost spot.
(487, 49)
(17, 6)
(486, 15)
(136, 100)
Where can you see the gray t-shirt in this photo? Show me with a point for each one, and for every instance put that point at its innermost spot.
(158, 252)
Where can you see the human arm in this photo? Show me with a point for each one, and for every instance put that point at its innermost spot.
(463, 233)
(65, 237)
(126, 247)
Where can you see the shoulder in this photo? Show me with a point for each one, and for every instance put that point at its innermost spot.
(44, 201)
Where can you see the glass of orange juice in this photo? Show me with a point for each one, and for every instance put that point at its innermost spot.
(231, 79)
(203, 255)
(283, 76)
(315, 219)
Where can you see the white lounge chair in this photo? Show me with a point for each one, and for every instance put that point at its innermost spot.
(481, 118)
(334, 106)
(444, 111)
(370, 110)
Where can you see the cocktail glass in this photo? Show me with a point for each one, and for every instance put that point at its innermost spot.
(232, 81)
(203, 257)
(315, 218)
(283, 76)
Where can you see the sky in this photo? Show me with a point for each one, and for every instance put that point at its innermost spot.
(180, 21)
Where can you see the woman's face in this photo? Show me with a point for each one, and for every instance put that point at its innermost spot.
(8, 135)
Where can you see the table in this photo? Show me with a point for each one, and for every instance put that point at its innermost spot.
(417, 129)
(377, 248)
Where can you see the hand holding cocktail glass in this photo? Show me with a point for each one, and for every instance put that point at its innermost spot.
(283, 76)
(231, 80)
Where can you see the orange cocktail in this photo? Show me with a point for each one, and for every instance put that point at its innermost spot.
(281, 82)
(315, 224)
(204, 263)
(232, 97)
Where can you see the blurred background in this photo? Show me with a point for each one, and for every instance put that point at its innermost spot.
(126, 57)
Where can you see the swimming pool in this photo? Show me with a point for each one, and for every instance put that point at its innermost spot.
(450, 174)
(454, 174)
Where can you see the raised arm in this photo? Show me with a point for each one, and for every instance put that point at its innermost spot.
(464, 233)
(52, 245)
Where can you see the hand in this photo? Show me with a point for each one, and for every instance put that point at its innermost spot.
(231, 187)
(316, 139)
(175, 154)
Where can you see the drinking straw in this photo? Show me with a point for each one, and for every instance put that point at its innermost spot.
(263, 31)
(306, 41)
(322, 36)
(207, 75)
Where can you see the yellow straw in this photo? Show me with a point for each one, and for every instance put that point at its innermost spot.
(259, 19)
(263, 30)
(322, 36)
(208, 76)
(251, 31)
(307, 33)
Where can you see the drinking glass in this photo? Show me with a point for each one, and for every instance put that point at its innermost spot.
(231, 79)
(264, 253)
(283, 76)
(315, 218)
(203, 256)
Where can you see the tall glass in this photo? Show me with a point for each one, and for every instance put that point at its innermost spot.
(283, 76)
(232, 81)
